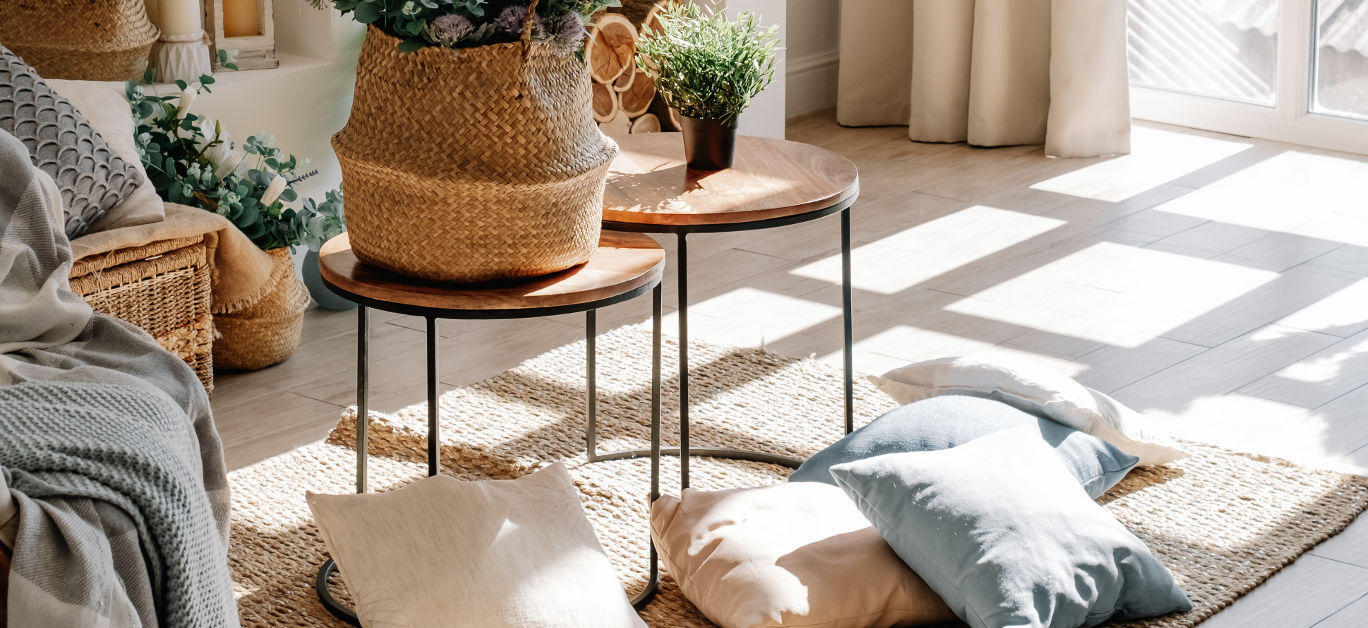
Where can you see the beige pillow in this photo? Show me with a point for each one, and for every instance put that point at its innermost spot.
(105, 107)
(446, 552)
(797, 554)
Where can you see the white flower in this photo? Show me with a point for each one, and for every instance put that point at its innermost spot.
(231, 160)
(410, 8)
(187, 98)
(273, 190)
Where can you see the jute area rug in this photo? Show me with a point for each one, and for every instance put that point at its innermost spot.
(1222, 522)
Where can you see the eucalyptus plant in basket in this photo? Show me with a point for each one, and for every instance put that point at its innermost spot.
(500, 175)
(192, 160)
(708, 68)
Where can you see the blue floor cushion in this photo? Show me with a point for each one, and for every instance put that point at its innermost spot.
(951, 420)
(1001, 530)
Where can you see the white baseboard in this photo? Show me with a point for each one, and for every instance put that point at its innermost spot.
(812, 83)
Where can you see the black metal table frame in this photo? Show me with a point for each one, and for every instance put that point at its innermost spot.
(684, 451)
(433, 439)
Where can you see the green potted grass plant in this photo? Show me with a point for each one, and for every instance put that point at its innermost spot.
(708, 68)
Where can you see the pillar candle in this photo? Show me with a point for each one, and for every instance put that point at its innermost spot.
(179, 17)
(241, 18)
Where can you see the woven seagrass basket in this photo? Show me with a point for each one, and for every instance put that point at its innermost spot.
(163, 288)
(473, 164)
(91, 40)
(268, 331)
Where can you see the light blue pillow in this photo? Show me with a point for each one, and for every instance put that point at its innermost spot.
(1000, 530)
(950, 420)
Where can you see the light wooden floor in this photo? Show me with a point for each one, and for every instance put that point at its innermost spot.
(1216, 281)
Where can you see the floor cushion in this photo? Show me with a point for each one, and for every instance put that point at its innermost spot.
(1001, 530)
(951, 420)
(796, 554)
(1035, 388)
(500, 553)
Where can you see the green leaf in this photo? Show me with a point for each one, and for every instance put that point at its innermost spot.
(367, 12)
(411, 45)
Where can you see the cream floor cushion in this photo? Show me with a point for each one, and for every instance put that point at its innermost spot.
(796, 554)
(1035, 388)
(446, 552)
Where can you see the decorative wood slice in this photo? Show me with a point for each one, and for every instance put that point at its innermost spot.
(665, 114)
(625, 81)
(605, 102)
(652, 19)
(648, 183)
(622, 263)
(636, 11)
(647, 123)
(619, 126)
(637, 99)
(611, 49)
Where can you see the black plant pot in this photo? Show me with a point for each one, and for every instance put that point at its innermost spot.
(708, 144)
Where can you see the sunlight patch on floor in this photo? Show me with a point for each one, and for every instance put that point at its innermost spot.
(1116, 294)
(1301, 193)
(1157, 156)
(922, 252)
(915, 344)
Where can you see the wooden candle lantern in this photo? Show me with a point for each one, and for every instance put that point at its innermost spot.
(247, 26)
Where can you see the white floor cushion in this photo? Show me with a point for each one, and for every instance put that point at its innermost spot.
(1035, 388)
(445, 552)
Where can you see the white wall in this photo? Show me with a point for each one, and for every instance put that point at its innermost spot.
(304, 101)
(768, 111)
(813, 52)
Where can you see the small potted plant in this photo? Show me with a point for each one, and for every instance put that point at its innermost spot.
(708, 68)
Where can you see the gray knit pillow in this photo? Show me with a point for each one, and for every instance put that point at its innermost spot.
(92, 178)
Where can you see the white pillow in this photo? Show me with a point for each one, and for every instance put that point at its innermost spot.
(105, 106)
(446, 552)
(1035, 388)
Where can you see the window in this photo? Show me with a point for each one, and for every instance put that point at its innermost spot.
(1288, 70)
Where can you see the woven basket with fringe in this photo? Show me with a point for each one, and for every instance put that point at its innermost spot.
(268, 331)
(163, 288)
(472, 164)
(90, 40)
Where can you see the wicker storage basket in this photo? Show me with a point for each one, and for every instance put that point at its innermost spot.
(92, 40)
(472, 164)
(268, 331)
(162, 287)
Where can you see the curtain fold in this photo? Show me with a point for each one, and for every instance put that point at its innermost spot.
(989, 72)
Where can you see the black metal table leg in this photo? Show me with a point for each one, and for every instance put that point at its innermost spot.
(847, 324)
(591, 431)
(362, 449)
(434, 439)
(682, 272)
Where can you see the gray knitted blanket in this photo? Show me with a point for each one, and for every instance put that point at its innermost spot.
(116, 496)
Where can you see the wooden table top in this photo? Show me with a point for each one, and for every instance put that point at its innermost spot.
(648, 183)
(624, 262)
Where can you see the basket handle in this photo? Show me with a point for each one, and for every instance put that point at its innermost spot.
(527, 28)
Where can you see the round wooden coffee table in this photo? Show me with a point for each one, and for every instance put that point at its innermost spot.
(625, 266)
(773, 183)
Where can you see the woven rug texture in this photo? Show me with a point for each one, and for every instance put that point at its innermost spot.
(1222, 522)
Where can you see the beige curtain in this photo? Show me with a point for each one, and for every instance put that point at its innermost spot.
(989, 72)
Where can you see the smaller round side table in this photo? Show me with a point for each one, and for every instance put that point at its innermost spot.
(773, 183)
(625, 266)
